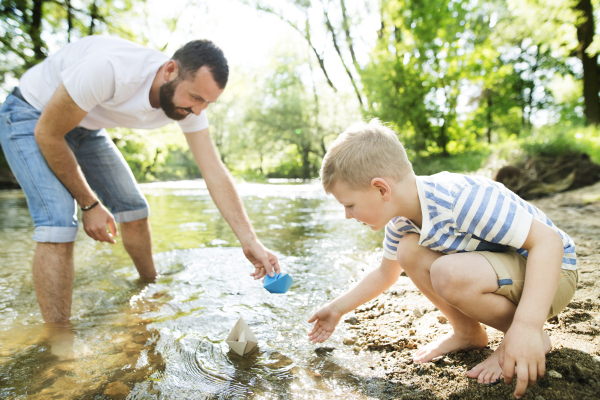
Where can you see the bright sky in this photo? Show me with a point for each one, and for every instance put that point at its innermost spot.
(248, 36)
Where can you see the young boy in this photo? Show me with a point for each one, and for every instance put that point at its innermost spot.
(477, 251)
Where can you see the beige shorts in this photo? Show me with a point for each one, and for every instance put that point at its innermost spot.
(510, 268)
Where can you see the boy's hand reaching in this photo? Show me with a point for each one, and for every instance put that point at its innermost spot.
(524, 354)
(326, 321)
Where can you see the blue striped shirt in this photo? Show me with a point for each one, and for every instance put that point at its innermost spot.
(471, 213)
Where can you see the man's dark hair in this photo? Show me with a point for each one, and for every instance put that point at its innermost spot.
(199, 53)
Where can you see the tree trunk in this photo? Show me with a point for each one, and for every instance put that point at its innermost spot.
(337, 49)
(443, 140)
(35, 30)
(489, 117)
(381, 17)
(348, 38)
(591, 87)
(69, 19)
(306, 163)
(93, 16)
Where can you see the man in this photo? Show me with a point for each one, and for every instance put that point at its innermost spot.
(52, 133)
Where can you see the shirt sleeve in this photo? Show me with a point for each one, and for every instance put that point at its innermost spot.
(194, 123)
(492, 215)
(90, 82)
(395, 230)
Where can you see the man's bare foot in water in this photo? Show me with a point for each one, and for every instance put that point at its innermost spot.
(489, 371)
(475, 339)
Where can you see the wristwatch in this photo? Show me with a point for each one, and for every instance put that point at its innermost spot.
(87, 208)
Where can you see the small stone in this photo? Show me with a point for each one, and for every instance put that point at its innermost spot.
(553, 374)
(407, 322)
(417, 313)
(583, 372)
(412, 331)
(380, 305)
(349, 340)
(357, 349)
(324, 350)
(539, 398)
(442, 319)
(352, 320)
(117, 390)
(140, 339)
(597, 359)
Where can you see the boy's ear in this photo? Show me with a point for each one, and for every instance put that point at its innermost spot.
(383, 187)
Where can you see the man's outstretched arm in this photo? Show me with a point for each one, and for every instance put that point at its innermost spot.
(59, 117)
(222, 190)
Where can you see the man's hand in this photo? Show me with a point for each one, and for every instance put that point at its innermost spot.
(95, 221)
(326, 321)
(524, 354)
(263, 260)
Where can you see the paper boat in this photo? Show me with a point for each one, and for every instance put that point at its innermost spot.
(241, 339)
(280, 283)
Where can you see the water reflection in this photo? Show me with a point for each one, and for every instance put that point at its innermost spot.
(166, 339)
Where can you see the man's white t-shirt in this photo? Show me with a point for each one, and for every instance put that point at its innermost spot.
(109, 78)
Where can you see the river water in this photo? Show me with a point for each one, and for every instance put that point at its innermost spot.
(166, 340)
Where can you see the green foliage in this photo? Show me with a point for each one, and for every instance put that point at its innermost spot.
(555, 141)
(417, 67)
(25, 25)
(160, 154)
(468, 161)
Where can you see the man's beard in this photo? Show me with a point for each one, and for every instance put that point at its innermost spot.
(166, 93)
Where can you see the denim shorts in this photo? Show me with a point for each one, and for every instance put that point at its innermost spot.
(50, 204)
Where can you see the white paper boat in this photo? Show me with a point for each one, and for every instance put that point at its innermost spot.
(241, 339)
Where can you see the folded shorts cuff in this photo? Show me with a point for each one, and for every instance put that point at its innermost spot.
(55, 234)
(131, 215)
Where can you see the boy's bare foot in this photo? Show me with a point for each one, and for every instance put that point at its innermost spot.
(489, 371)
(475, 339)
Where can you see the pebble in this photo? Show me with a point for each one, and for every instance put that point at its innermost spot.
(417, 313)
(349, 340)
(380, 305)
(116, 390)
(406, 322)
(539, 398)
(583, 372)
(412, 331)
(442, 319)
(553, 374)
(352, 320)
(597, 359)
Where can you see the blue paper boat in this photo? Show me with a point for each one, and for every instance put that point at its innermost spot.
(280, 283)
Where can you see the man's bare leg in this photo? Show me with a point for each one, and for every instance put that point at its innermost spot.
(53, 280)
(137, 240)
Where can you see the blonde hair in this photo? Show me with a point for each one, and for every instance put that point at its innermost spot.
(362, 152)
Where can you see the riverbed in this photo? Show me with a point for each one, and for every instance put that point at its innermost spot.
(166, 339)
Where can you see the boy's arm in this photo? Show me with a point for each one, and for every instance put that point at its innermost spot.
(371, 286)
(524, 349)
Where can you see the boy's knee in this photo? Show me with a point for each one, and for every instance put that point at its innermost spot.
(445, 281)
(407, 251)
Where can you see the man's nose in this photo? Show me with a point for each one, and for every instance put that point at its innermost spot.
(197, 109)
